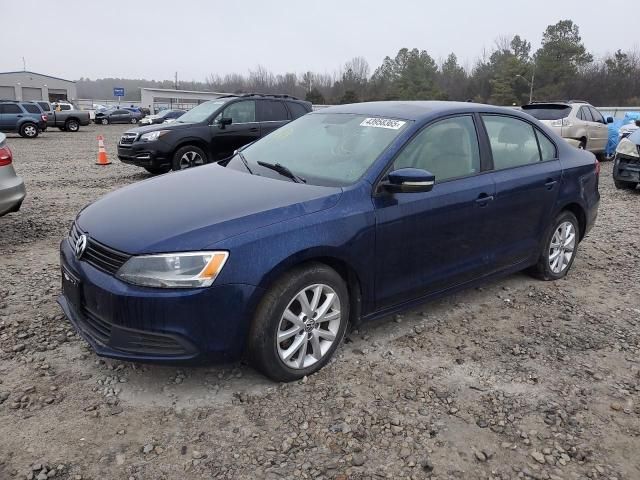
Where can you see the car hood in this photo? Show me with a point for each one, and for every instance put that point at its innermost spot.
(635, 137)
(196, 208)
(161, 126)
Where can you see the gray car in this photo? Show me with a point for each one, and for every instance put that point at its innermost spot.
(12, 191)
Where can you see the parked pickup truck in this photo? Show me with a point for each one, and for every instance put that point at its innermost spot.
(67, 118)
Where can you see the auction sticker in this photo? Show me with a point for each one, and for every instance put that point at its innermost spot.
(382, 123)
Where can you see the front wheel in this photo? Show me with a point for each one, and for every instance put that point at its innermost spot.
(29, 130)
(104, 121)
(134, 120)
(299, 323)
(559, 250)
(187, 157)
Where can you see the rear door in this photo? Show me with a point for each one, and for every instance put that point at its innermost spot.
(244, 129)
(10, 114)
(272, 114)
(527, 175)
(600, 130)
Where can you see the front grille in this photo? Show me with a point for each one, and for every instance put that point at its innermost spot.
(128, 138)
(99, 255)
(131, 340)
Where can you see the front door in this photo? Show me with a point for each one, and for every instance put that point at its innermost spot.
(527, 175)
(427, 242)
(243, 129)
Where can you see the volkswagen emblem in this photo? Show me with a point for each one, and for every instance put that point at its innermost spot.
(80, 246)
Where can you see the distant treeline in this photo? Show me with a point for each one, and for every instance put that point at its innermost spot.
(561, 68)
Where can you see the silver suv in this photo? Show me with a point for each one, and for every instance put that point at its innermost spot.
(12, 190)
(574, 120)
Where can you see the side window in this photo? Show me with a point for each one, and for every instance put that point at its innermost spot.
(29, 107)
(547, 148)
(447, 149)
(45, 106)
(65, 107)
(597, 116)
(272, 111)
(241, 112)
(10, 108)
(513, 142)
(586, 114)
(296, 109)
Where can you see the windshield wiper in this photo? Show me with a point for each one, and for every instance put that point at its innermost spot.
(282, 170)
(244, 160)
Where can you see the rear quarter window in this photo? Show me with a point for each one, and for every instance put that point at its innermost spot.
(31, 108)
(297, 110)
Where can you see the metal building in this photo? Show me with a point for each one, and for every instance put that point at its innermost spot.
(36, 86)
(156, 98)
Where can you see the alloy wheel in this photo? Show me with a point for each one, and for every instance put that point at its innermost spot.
(30, 131)
(309, 326)
(72, 126)
(562, 248)
(190, 159)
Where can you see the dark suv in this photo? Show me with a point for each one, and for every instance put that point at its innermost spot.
(209, 132)
(26, 118)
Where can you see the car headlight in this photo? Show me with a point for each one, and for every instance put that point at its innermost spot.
(174, 270)
(151, 136)
(628, 148)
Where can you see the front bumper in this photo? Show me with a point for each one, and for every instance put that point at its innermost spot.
(12, 194)
(626, 169)
(144, 154)
(173, 326)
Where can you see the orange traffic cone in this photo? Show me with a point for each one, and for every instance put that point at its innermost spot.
(102, 153)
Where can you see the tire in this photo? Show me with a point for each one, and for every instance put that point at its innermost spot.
(72, 125)
(104, 121)
(620, 185)
(544, 269)
(187, 157)
(157, 170)
(268, 355)
(29, 130)
(134, 120)
(583, 144)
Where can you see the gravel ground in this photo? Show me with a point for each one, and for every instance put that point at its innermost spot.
(518, 379)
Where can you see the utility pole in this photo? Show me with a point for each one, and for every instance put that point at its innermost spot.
(176, 81)
(24, 65)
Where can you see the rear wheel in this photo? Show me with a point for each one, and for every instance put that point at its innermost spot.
(559, 248)
(299, 323)
(620, 185)
(72, 125)
(187, 157)
(157, 170)
(583, 144)
(29, 130)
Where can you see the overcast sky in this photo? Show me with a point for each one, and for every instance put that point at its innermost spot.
(153, 39)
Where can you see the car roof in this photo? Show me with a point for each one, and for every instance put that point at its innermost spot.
(414, 110)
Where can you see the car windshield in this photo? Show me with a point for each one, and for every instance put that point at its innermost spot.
(324, 148)
(547, 112)
(201, 112)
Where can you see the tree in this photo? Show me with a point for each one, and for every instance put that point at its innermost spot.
(315, 97)
(453, 79)
(349, 97)
(559, 59)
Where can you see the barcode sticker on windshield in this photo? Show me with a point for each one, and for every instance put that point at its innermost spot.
(383, 123)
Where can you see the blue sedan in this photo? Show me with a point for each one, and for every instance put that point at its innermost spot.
(347, 214)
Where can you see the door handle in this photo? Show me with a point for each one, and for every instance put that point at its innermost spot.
(253, 129)
(483, 199)
(550, 183)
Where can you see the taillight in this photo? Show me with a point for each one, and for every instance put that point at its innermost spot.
(6, 157)
(44, 118)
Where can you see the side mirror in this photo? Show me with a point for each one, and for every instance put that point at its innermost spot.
(609, 119)
(224, 121)
(409, 180)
